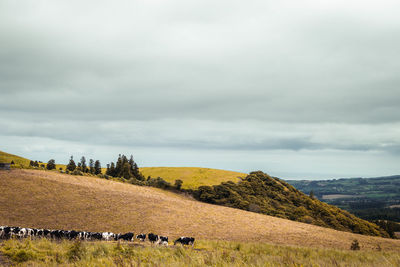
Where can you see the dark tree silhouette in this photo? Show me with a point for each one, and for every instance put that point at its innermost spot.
(91, 166)
(71, 165)
(97, 167)
(51, 164)
(83, 164)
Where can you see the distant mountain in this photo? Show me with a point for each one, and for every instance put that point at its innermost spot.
(375, 198)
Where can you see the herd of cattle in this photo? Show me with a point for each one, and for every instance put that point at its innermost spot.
(7, 232)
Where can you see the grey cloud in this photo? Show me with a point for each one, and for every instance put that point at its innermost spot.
(210, 135)
(259, 76)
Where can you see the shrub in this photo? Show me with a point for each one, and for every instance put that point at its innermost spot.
(355, 245)
(77, 172)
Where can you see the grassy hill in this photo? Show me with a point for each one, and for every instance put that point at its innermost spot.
(19, 161)
(35, 198)
(192, 177)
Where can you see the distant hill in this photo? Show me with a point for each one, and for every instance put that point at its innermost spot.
(35, 198)
(20, 161)
(375, 198)
(192, 177)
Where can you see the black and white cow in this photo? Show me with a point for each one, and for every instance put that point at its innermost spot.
(162, 240)
(43, 233)
(185, 240)
(152, 238)
(107, 236)
(25, 232)
(2, 232)
(141, 237)
(159, 240)
(83, 235)
(15, 231)
(127, 236)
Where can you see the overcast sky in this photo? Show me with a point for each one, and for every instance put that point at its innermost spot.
(298, 89)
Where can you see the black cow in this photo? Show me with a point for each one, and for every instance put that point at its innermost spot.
(185, 240)
(152, 237)
(127, 237)
(95, 236)
(7, 232)
(72, 234)
(57, 234)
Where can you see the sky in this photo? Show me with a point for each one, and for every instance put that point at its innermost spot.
(297, 89)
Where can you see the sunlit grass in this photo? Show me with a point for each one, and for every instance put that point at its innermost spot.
(192, 177)
(43, 252)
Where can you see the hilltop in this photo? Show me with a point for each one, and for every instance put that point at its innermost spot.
(35, 198)
(192, 177)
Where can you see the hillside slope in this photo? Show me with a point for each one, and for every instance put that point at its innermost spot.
(262, 193)
(6, 157)
(192, 177)
(21, 162)
(34, 198)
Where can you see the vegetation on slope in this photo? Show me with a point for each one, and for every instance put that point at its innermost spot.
(43, 252)
(261, 193)
(192, 177)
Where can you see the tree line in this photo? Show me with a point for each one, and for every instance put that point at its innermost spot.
(94, 167)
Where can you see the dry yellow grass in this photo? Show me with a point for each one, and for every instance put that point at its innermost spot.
(47, 199)
(192, 177)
